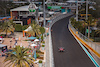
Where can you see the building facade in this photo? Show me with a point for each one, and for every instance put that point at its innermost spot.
(21, 15)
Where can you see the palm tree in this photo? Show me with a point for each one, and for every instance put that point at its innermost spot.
(7, 27)
(77, 24)
(11, 21)
(35, 29)
(73, 21)
(19, 57)
(13, 24)
(90, 22)
(98, 28)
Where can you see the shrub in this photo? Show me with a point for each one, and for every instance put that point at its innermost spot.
(45, 35)
(42, 52)
(42, 38)
(3, 35)
(37, 37)
(38, 51)
(37, 55)
(43, 42)
(18, 27)
(24, 27)
(26, 40)
(43, 45)
(42, 30)
(41, 58)
(40, 61)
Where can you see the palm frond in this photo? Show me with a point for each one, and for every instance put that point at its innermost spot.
(26, 64)
(20, 58)
(10, 62)
(10, 65)
(35, 29)
(14, 64)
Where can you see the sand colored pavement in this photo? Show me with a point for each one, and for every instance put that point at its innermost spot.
(21, 41)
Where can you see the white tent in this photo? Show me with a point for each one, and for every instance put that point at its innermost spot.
(40, 12)
(33, 45)
(28, 29)
(36, 40)
(41, 18)
(51, 12)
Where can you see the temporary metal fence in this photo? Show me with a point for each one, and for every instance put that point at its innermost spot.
(85, 39)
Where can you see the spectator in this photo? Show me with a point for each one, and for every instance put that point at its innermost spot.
(10, 47)
(10, 39)
(15, 42)
(10, 42)
(19, 39)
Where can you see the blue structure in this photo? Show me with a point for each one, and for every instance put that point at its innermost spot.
(5, 17)
(32, 38)
(49, 21)
(62, 10)
(14, 52)
(35, 54)
(68, 10)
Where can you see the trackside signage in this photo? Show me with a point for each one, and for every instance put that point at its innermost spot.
(32, 8)
(54, 7)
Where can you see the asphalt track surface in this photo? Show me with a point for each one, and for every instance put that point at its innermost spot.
(74, 55)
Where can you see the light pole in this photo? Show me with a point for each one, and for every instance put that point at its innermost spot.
(86, 10)
(77, 11)
(44, 12)
(86, 16)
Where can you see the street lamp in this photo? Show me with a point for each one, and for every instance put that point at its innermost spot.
(86, 10)
(44, 12)
(77, 11)
(86, 17)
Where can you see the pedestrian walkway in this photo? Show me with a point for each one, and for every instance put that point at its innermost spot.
(47, 63)
(22, 43)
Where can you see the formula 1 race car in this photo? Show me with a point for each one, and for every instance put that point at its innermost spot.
(61, 49)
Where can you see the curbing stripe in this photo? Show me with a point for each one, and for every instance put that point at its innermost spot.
(96, 64)
(85, 44)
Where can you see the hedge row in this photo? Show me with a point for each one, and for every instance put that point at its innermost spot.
(19, 27)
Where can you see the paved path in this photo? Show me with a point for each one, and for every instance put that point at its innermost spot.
(47, 63)
(74, 55)
(7, 42)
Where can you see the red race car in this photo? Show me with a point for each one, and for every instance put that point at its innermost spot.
(61, 49)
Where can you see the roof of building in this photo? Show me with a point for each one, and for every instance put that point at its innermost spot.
(22, 8)
(1, 45)
(7, 17)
